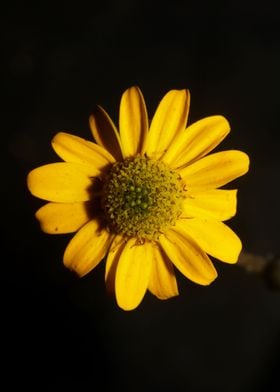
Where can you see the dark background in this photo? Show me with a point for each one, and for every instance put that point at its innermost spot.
(59, 60)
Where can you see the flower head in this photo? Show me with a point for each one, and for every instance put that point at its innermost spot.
(145, 197)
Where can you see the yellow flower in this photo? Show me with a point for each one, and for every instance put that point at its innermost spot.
(145, 197)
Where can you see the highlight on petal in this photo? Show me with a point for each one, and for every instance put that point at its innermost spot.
(188, 257)
(214, 237)
(104, 132)
(162, 283)
(112, 260)
(133, 122)
(215, 170)
(168, 122)
(62, 182)
(133, 274)
(77, 150)
(87, 248)
(196, 141)
(60, 218)
(216, 204)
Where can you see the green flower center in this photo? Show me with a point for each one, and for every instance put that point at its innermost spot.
(142, 198)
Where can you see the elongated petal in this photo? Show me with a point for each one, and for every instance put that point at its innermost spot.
(163, 283)
(133, 122)
(59, 218)
(133, 274)
(196, 141)
(168, 122)
(214, 237)
(104, 132)
(75, 149)
(112, 261)
(215, 170)
(62, 182)
(87, 248)
(188, 257)
(216, 204)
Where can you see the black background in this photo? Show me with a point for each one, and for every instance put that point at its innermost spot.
(59, 60)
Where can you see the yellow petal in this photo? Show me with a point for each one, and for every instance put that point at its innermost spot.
(168, 122)
(196, 141)
(112, 261)
(133, 274)
(133, 122)
(215, 170)
(187, 256)
(75, 149)
(62, 182)
(60, 218)
(105, 132)
(214, 237)
(216, 204)
(87, 248)
(162, 282)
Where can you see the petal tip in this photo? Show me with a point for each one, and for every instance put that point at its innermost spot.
(31, 181)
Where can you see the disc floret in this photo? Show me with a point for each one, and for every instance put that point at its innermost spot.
(141, 198)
